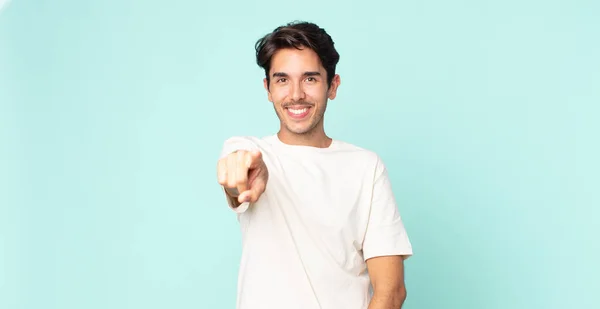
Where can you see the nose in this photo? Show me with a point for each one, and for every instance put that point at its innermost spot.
(297, 92)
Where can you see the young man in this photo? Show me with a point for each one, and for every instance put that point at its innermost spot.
(319, 222)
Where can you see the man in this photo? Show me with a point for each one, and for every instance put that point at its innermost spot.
(319, 222)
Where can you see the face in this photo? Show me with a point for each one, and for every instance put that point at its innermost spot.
(298, 90)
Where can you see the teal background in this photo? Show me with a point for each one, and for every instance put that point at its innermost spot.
(113, 113)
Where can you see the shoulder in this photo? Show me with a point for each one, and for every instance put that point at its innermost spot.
(354, 149)
(361, 155)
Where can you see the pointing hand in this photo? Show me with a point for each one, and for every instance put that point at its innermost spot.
(243, 174)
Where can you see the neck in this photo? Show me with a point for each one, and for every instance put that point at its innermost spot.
(316, 138)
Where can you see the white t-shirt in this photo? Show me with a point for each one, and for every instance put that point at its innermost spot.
(324, 212)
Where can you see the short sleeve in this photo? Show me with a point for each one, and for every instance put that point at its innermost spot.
(385, 234)
(231, 145)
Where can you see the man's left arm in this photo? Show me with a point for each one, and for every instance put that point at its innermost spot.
(386, 245)
(387, 279)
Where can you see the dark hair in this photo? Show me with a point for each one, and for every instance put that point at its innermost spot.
(298, 35)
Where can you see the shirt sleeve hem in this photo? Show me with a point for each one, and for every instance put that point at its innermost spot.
(240, 209)
(404, 253)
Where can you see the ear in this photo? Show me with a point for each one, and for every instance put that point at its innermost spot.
(335, 83)
(266, 85)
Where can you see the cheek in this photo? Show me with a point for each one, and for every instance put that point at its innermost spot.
(316, 95)
(278, 96)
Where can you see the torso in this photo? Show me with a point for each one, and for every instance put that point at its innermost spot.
(302, 239)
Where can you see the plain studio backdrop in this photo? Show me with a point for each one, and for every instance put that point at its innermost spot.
(113, 113)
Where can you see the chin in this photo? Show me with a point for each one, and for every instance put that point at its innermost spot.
(300, 130)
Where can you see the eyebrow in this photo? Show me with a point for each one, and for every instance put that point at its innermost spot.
(309, 73)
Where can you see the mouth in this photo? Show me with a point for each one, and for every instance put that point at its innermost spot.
(298, 111)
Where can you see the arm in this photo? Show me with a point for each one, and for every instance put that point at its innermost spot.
(386, 245)
(387, 278)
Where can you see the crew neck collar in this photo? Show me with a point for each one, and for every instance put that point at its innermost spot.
(332, 146)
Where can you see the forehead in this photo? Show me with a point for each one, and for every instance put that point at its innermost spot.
(292, 60)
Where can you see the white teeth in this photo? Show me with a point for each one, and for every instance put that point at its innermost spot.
(297, 111)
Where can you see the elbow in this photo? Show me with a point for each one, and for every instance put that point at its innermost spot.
(392, 298)
(401, 296)
(398, 296)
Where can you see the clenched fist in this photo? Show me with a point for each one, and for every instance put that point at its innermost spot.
(243, 174)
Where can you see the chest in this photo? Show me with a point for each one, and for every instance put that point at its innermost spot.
(331, 194)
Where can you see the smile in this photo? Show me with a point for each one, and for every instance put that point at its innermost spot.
(298, 112)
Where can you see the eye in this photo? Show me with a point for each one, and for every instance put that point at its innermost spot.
(311, 79)
(282, 80)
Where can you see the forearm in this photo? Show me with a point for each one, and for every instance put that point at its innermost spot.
(392, 299)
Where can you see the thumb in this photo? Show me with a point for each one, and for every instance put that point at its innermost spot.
(253, 194)
(258, 187)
